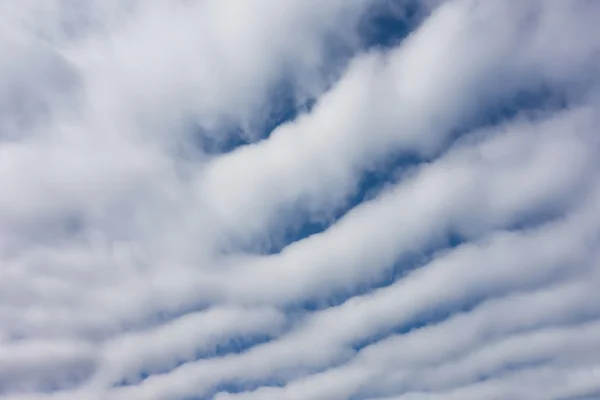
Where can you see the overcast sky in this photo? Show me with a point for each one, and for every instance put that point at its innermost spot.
(299, 200)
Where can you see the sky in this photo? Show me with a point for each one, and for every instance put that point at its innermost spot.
(299, 200)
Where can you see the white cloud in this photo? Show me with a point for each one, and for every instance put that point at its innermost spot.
(409, 100)
(127, 268)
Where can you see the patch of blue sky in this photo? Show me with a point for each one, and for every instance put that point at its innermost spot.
(300, 225)
(470, 302)
(284, 104)
(532, 103)
(386, 25)
(371, 182)
(390, 22)
(407, 263)
(526, 220)
(512, 367)
(427, 317)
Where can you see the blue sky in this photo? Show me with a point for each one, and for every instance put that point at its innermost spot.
(352, 200)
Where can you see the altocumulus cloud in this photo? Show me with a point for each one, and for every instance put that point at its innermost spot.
(299, 199)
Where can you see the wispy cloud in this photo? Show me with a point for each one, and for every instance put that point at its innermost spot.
(376, 199)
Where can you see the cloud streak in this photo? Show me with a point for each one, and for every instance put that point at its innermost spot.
(434, 161)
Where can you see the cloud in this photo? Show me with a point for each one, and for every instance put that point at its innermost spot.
(436, 162)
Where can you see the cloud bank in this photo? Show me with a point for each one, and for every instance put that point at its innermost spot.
(233, 200)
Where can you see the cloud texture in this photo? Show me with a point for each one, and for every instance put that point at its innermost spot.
(303, 200)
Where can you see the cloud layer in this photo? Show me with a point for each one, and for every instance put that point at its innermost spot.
(232, 200)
